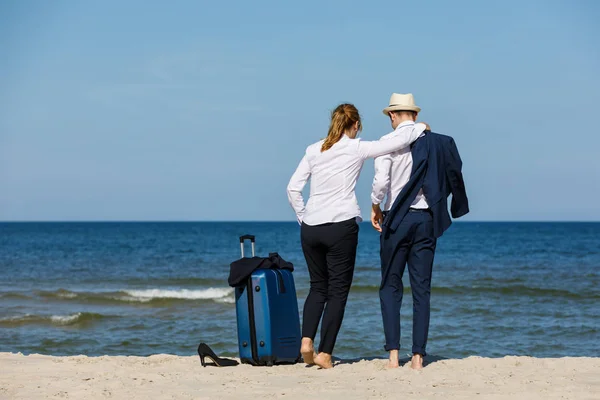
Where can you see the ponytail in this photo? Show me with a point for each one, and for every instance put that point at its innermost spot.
(342, 119)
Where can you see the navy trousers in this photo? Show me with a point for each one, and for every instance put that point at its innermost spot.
(413, 243)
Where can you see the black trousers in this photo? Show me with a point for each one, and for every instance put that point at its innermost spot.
(330, 252)
(413, 243)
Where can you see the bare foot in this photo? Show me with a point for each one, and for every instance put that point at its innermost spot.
(323, 360)
(308, 351)
(393, 363)
(417, 361)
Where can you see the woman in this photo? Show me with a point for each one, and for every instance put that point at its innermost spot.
(329, 228)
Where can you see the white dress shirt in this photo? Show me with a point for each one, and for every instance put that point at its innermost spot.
(392, 173)
(333, 175)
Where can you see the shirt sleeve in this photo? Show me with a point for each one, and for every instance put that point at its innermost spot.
(295, 186)
(381, 182)
(404, 138)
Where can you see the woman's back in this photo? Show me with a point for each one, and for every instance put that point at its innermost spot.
(334, 174)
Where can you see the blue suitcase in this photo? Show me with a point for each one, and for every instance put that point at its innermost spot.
(268, 321)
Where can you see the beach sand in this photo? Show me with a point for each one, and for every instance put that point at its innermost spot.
(173, 377)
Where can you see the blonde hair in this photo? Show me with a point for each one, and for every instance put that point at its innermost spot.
(342, 119)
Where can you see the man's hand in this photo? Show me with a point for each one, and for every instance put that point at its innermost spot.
(427, 127)
(376, 217)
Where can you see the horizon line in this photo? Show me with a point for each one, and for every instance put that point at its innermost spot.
(267, 221)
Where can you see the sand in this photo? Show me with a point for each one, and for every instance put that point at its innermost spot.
(173, 377)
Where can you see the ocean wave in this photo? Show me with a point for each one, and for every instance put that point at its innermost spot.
(65, 294)
(11, 295)
(511, 290)
(160, 297)
(226, 300)
(154, 296)
(56, 320)
(173, 281)
(185, 294)
(523, 290)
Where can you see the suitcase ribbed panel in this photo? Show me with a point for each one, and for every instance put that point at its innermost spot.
(277, 321)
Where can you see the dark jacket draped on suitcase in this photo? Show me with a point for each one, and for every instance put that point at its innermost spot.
(240, 270)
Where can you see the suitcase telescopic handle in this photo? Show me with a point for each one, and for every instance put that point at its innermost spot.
(247, 237)
(244, 238)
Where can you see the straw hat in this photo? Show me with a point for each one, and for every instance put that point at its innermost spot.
(401, 102)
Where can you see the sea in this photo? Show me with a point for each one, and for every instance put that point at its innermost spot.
(142, 288)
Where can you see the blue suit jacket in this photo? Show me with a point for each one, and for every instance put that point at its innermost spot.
(437, 169)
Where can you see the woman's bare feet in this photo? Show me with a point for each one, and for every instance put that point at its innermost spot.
(323, 360)
(417, 361)
(308, 351)
(394, 361)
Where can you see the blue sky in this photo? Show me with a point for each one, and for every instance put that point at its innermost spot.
(193, 110)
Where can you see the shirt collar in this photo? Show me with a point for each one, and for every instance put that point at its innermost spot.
(405, 123)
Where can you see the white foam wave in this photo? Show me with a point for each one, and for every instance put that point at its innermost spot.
(64, 319)
(203, 294)
(16, 318)
(226, 300)
(67, 295)
(32, 318)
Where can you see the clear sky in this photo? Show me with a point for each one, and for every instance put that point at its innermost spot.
(197, 110)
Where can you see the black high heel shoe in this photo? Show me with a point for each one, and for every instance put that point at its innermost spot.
(205, 351)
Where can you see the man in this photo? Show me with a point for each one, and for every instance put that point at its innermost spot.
(417, 182)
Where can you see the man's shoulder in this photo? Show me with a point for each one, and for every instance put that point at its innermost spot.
(441, 137)
(399, 130)
(443, 140)
(389, 135)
